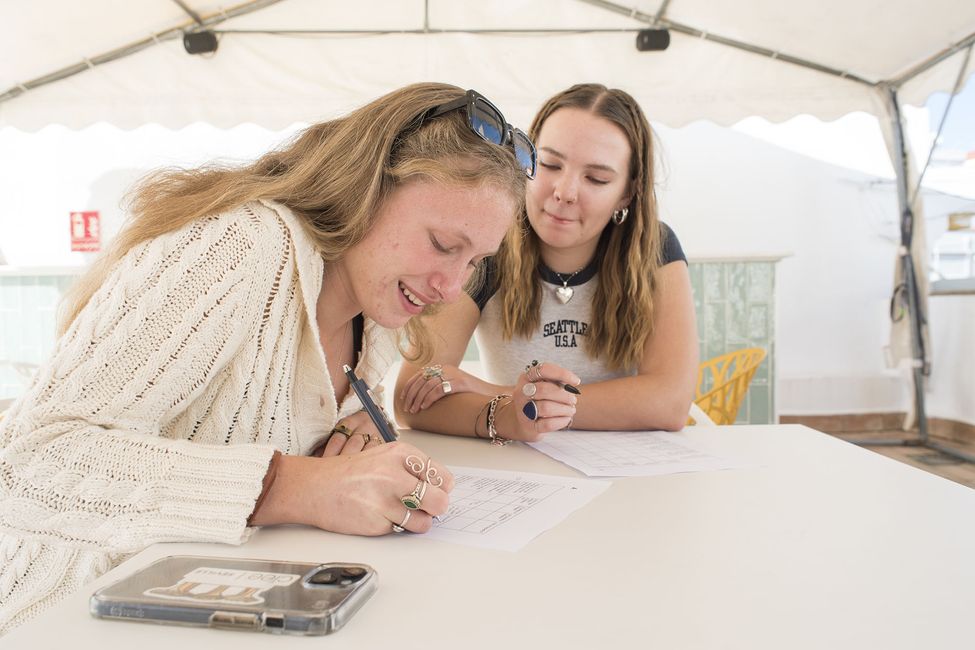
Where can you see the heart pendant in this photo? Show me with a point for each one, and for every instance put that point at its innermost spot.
(564, 294)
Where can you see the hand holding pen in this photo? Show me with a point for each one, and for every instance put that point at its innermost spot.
(544, 400)
(376, 413)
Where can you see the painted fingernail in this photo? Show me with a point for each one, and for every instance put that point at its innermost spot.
(572, 389)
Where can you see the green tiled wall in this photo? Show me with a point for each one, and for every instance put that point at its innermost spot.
(28, 307)
(735, 309)
(733, 301)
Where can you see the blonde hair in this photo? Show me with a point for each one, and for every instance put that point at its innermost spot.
(628, 254)
(334, 176)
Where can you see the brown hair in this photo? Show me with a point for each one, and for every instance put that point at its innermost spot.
(629, 254)
(334, 176)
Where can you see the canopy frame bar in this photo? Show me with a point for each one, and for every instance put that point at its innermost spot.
(934, 60)
(660, 21)
(137, 46)
(959, 80)
(189, 12)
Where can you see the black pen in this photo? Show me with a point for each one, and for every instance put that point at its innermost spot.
(569, 388)
(377, 415)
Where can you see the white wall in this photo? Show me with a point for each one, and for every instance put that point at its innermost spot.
(725, 194)
(46, 175)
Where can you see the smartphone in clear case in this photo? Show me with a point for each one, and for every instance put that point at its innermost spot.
(240, 594)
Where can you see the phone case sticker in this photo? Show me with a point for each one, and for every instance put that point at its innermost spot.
(226, 586)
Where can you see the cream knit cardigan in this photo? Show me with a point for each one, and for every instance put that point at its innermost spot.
(157, 414)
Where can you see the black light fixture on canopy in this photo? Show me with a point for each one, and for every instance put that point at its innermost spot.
(652, 40)
(201, 42)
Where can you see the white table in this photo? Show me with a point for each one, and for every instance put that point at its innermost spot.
(825, 545)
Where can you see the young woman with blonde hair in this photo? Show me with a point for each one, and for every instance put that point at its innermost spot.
(589, 288)
(197, 387)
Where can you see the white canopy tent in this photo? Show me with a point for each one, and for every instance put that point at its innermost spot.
(282, 61)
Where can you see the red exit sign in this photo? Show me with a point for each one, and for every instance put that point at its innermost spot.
(86, 232)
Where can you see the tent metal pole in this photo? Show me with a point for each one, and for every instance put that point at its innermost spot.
(932, 61)
(136, 46)
(944, 117)
(661, 12)
(659, 22)
(920, 367)
(919, 361)
(907, 271)
(189, 12)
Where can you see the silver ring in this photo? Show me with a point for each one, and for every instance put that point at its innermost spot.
(533, 370)
(529, 389)
(400, 527)
(446, 387)
(429, 372)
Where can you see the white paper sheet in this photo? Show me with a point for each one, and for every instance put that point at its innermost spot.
(506, 510)
(630, 453)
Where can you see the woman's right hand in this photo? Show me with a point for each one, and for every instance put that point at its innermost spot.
(357, 494)
(554, 406)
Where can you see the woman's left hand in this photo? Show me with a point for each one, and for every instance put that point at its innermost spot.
(540, 403)
(430, 383)
(351, 435)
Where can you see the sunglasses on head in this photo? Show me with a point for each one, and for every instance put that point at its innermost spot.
(486, 120)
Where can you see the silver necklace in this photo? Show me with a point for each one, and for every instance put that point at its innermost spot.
(564, 293)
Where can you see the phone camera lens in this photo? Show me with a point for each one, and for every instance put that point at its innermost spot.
(353, 572)
(324, 577)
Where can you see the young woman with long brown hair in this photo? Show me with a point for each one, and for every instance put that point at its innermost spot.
(197, 387)
(588, 287)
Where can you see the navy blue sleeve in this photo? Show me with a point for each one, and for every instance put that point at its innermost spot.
(482, 291)
(670, 250)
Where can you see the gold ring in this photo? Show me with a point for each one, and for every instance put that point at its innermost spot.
(365, 438)
(342, 429)
(414, 499)
(415, 465)
(431, 475)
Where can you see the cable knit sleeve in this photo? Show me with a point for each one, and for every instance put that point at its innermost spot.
(99, 453)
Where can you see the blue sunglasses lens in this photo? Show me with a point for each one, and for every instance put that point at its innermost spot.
(487, 123)
(525, 153)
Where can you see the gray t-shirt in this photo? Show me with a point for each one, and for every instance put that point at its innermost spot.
(561, 336)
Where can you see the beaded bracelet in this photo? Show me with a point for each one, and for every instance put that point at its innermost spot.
(492, 414)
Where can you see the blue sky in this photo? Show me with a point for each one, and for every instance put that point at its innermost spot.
(959, 130)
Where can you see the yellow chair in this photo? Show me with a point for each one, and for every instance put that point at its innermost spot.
(723, 381)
